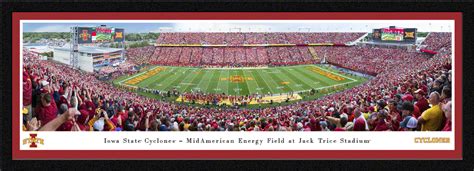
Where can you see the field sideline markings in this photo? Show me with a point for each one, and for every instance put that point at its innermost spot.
(283, 74)
(307, 80)
(137, 75)
(277, 76)
(315, 77)
(292, 77)
(167, 86)
(154, 80)
(303, 78)
(276, 85)
(265, 81)
(164, 80)
(192, 80)
(246, 81)
(218, 82)
(259, 83)
(228, 83)
(185, 79)
(209, 82)
(205, 76)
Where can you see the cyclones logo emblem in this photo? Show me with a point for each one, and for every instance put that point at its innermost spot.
(84, 35)
(33, 141)
(410, 34)
(118, 35)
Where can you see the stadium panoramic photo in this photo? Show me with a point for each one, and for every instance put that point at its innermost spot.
(237, 76)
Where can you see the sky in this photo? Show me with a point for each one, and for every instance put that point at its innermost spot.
(141, 26)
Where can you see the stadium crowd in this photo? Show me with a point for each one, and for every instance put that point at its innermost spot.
(256, 38)
(409, 92)
(214, 56)
(438, 41)
(112, 72)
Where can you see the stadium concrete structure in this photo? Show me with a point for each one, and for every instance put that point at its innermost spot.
(90, 58)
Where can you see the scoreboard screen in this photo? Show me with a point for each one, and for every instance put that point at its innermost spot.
(392, 34)
(100, 34)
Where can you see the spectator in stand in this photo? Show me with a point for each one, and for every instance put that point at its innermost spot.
(359, 125)
(409, 98)
(407, 110)
(432, 119)
(421, 101)
(381, 121)
(47, 110)
(357, 115)
(445, 94)
(447, 113)
(27, 94)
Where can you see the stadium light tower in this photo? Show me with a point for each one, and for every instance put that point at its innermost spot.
(73, 58)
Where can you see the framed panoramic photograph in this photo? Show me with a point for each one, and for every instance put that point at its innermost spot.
(237, 85)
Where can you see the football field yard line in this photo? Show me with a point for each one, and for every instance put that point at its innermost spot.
(211, 80)
(219, 82)
(185, 79)
(305, 79)
(168, 77)
(279, 81)
(266, 83)
(249, 89)
(214, 83)
(137, 75)
(237, 84)
(208, 77)
(283, 77)
(260, 82)
(156, 79)
(197, 75)
(228, 81)
(222, 83)
(153, 79)
(293, 77)
(275, 85)
(315, 77)
(180, 77)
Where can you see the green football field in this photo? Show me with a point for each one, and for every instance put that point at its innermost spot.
(274, 80)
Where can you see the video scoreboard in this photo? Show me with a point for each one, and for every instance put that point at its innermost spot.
(393, 34)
